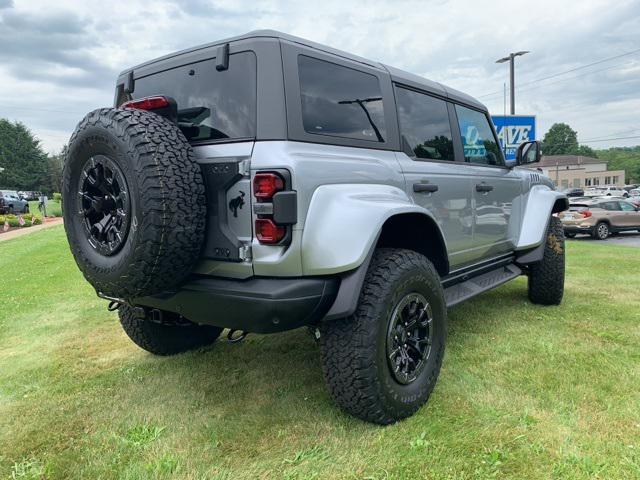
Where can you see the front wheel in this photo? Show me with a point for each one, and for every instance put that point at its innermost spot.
(381, 364)
(569, 235)
(546, 277)
(26, 209)
(167, 336)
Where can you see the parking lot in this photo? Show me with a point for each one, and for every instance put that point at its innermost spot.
(629, 239)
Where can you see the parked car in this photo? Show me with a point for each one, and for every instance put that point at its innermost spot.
(13, 203)
(600, 218)
(633, 186)
(573, 192)
(265, 183)
(606, 192)
(29, 195)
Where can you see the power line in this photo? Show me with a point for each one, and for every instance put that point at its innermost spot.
(568, 71)
(596, 141)
(613, 133)
(612, 67)
(609, 139)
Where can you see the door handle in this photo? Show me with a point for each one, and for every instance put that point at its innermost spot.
(484, 188)
(425, 187)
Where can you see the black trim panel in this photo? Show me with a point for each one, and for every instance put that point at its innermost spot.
(258, 304)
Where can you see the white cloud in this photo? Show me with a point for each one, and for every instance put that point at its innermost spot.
(59, 62)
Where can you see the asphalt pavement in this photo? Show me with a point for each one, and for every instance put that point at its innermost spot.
(629, 239)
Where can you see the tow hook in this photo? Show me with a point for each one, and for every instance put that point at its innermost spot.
(237, 338)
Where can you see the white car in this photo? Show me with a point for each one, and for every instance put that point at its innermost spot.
(606, 192)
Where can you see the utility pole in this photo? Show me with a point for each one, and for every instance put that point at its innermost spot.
(512, 76)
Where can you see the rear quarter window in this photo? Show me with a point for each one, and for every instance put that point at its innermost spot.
(340, 101)
(212, 105)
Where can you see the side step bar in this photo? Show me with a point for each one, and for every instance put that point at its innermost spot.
(470, 288)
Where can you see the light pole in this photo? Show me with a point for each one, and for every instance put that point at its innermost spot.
(512, 76)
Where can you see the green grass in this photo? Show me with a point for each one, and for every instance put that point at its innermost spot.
(525, 391)
(54, 209)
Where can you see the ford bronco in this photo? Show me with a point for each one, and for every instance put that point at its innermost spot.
(264, 183)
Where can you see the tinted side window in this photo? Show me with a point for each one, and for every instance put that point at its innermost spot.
(424, 124)
(609, 206)
(340, 101)
(627, 207)
(212, 105)
(480, 144)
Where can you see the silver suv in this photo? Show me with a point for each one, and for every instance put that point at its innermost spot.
(264, 183)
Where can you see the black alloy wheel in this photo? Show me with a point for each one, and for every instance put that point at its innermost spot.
(409, 338)
(104, 204)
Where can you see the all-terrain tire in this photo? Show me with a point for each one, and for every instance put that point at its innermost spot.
(546, 277)
(167, 338)
(167, 202)
(354, 350)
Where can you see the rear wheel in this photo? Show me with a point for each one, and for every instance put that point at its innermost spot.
(601, 231)
(381, 364)
(546, 277)
(166, 336)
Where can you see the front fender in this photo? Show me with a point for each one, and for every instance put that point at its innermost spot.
(539, 205)
(344, 222)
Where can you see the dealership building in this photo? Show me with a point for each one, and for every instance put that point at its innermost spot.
(579, 172)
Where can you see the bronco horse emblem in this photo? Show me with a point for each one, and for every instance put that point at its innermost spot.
(236, 203)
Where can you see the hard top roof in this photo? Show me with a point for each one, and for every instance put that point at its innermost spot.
(396, 74)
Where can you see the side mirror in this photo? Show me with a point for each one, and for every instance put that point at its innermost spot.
(528, 152)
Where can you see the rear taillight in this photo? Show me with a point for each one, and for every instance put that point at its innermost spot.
(586, 213)
(268, 190)
(266, 185)
(147, 103)
(268, 232)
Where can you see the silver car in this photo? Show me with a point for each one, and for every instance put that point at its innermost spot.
(14, 203)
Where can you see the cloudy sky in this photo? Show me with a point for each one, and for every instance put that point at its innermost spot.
(59, 60)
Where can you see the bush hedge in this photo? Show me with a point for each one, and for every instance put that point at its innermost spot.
(14, 220)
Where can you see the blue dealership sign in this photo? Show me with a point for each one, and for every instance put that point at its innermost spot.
(514, 130)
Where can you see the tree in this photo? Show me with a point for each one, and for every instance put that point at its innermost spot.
(54, 172)
(586, 151)
(22, 159)
(561, 139)
(623, 158)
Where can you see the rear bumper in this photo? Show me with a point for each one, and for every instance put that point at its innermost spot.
(577, 229)
(258, 304)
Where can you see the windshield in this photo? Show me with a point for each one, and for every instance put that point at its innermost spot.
(212, 105)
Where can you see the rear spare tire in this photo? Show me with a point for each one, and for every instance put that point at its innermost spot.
(133, 201)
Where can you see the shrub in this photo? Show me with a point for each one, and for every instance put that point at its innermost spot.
(57, 197)
(14, 220)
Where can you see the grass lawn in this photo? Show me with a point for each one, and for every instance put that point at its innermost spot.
(54, 209)
(525, 391)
